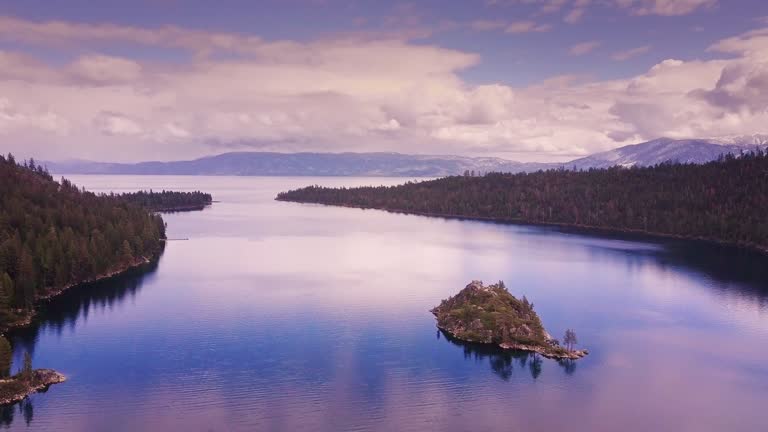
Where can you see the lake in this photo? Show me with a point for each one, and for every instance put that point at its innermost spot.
(291, 317)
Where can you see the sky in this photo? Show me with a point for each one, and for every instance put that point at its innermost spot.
(528, 80)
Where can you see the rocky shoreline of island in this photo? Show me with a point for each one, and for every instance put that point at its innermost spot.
(545, 351)
(18, 387)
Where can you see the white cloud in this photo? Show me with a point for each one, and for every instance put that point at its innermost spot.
(578, 8)
(574, 15)
(360, 95)
(527, 27)
(665, 7)
(101, 68)
(116, 124)
(583, 48)
(487, 25)
(633, 52)
(15, 118)
(391, 125)
(176, 131)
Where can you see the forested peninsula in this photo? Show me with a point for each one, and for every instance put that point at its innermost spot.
(724, 201)
(169, 201)
(54, 235)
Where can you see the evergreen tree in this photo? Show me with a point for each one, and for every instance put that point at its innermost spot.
(26, 370)
(127, 252)
(6, 357)
(570, 339)
(53, 235)
(724, 200)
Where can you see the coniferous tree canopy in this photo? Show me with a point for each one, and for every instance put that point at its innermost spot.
(6, 357)
(725, 200)
(53, 235)
(169, 200)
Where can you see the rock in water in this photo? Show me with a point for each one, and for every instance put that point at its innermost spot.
(491, 315)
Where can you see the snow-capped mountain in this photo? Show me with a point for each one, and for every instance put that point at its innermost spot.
(741, 140)
(665, 150)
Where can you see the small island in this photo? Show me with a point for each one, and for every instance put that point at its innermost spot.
(491, 315)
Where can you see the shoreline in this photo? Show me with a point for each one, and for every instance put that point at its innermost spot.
(182, 208)
(28, 316)
(576, 227)
(542, 350)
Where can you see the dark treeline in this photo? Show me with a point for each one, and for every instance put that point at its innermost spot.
(54, 235)
(169, 200)
(725, 200)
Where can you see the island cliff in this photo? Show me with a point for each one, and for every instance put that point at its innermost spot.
(491, 315)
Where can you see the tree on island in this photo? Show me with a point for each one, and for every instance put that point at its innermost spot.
(5, 358)
(127, 252)
(26, 370)
(570, 339)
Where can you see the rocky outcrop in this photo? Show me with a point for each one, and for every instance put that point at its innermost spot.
(491, 315)
(17, 388)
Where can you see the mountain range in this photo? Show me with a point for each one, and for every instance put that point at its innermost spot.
(405, 165)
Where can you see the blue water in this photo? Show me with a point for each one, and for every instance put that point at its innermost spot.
(288, 317)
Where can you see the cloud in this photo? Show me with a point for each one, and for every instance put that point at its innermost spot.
(61, 33)
(544, 6)
(574, 15)
(578, 8)
(487, 25)
(357, 94)
(748, 44)
(106, 69)
(116, 124)
(628, 54)
(527, 27)
(583, 48)
(176, 131)
(19, 66)
(14, 118)
(552, 6)
(665, 7)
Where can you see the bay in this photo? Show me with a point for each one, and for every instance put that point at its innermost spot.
(283, 316)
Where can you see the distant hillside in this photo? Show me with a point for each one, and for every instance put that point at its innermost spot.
(305, 164)
(404, 165)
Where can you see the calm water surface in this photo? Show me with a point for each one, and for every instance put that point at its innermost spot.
(289, 317)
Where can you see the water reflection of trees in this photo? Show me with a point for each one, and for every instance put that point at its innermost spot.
(503, 361)
(730, 270)
(8, 413)
(63, 312)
